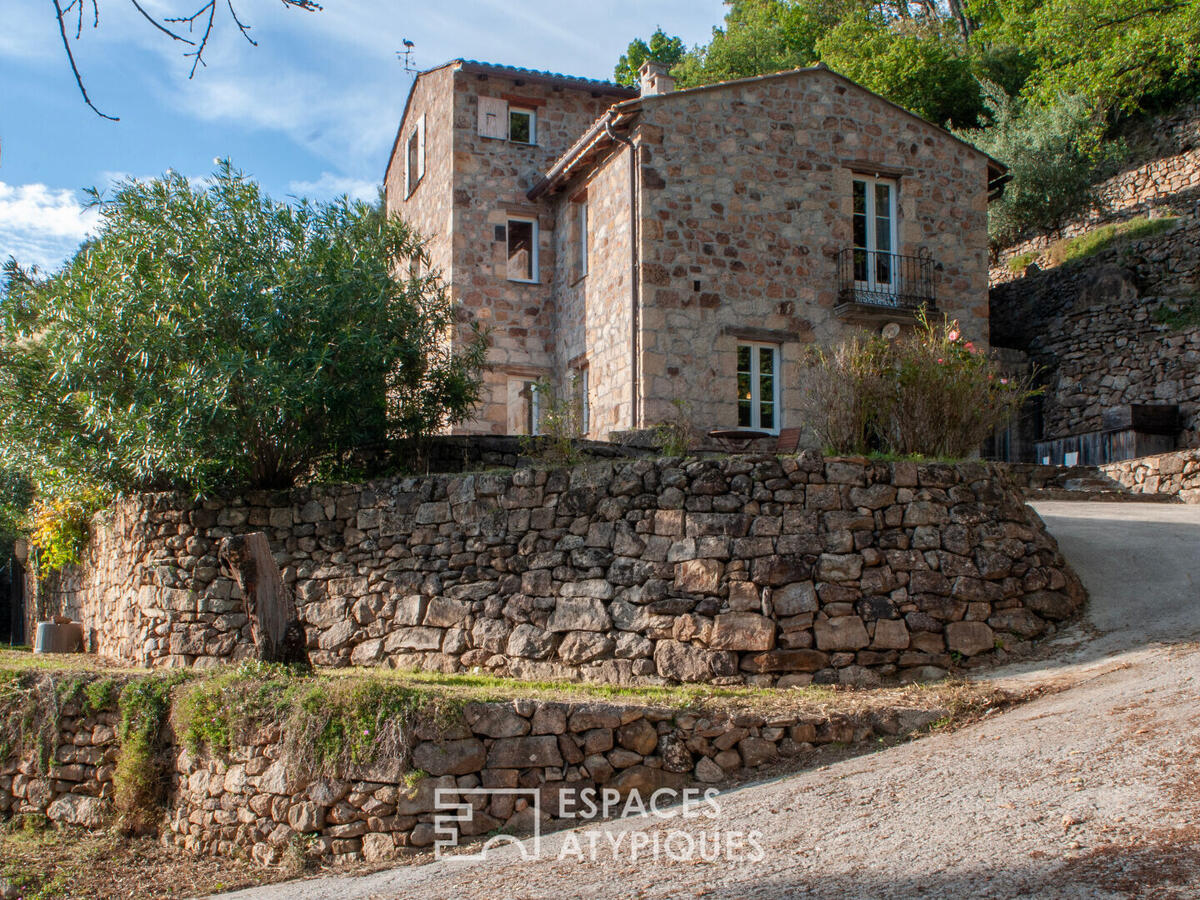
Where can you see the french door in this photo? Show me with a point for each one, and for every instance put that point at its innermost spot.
(875, 263)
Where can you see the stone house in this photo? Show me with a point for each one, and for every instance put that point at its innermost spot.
(642, 248)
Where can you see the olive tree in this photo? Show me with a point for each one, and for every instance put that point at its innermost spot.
(210, 336)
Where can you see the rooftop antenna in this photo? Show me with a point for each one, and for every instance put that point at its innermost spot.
(406, 56)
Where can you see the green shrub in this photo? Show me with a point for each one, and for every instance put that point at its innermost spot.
(677, 435)
(928, 393)
(559, 425)
(211, 337)
(60, 529)
(1055, 156)
(1183, 315)
(138, 779)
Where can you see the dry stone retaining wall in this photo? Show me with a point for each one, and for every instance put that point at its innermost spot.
(1168, 184)
(252, 801)
(1177, 474)
(1096, 332)
(748, 569)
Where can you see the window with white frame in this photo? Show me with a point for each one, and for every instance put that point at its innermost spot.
(522, 245)
(414, 157)
(582, 224)
(758, 386)
(507, 122)
(875, 233)
(522, 125)
(580, 383)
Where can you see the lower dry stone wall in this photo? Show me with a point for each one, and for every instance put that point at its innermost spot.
(253, 799)
(746, 569)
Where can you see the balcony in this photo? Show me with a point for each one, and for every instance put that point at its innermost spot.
(877, 285)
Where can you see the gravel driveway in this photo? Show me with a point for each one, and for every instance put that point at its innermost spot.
(1088, 792)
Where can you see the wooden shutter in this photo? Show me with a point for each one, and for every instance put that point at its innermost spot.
(493, 118)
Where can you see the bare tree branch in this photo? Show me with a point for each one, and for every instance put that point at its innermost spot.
(153, 21)
(245, 29)
(206, 14)
(62, 30)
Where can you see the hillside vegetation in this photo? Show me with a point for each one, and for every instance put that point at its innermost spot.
(1038, 84)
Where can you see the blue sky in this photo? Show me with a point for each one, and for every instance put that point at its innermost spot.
(310, 111)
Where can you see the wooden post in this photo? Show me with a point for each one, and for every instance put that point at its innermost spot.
(277, 632)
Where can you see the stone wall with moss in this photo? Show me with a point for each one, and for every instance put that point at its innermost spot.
(271, 765)
(750, 569)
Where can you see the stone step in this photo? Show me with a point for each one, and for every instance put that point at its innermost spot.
(1103, 496)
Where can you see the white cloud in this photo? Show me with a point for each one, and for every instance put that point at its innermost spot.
(330, 185)
(42, 225)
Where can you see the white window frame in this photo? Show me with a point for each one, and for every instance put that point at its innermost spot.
(756, 399)
(535, 409)
(583, 237)
(417, 134)
(523, 110)
(533, 267)
(585, 410)
(872, 240)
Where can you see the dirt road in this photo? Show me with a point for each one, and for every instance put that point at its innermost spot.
(1093, 791)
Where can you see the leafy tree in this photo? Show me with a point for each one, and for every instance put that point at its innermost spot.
(908, 61)
(212, 337)
(762, 36)
(1054, 154)
(16, 496)
(662, 47)
(1115, 52)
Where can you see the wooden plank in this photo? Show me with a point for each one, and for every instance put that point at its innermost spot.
(277, 632)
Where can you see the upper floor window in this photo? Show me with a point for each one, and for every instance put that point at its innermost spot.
(502, 121)
(758, 386)
(875, 233)
(522, 239)
(583, 237)
(522, 125)
(414, 157)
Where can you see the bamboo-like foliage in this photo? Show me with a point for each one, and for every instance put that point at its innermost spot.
(928, 393)
(211, 337)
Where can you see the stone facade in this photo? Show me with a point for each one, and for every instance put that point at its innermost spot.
(250, 801)
(1175, 474)
(750, 569)
(472, 185)
(712, 215)
(1096, 331)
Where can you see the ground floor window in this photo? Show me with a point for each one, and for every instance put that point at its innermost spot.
(758, 386)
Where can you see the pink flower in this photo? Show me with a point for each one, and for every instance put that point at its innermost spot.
(1004, 381)
(953, 335)
(941, 361)
(969, 347)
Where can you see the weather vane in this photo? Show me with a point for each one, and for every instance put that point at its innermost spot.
(406, 55)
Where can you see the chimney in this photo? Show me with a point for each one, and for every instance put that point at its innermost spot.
(654, 78)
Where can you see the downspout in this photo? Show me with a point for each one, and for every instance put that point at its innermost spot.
(635, 281)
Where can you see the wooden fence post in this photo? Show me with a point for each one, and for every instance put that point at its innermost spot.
(277, 632)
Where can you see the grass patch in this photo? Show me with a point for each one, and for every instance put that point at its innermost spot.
(1092, 242)
(73, 864)
(1021, 261)
(1181, 316)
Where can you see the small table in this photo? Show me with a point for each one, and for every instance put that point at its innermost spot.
(736, 440)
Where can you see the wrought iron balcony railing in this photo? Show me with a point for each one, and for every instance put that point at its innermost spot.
(885, 280)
